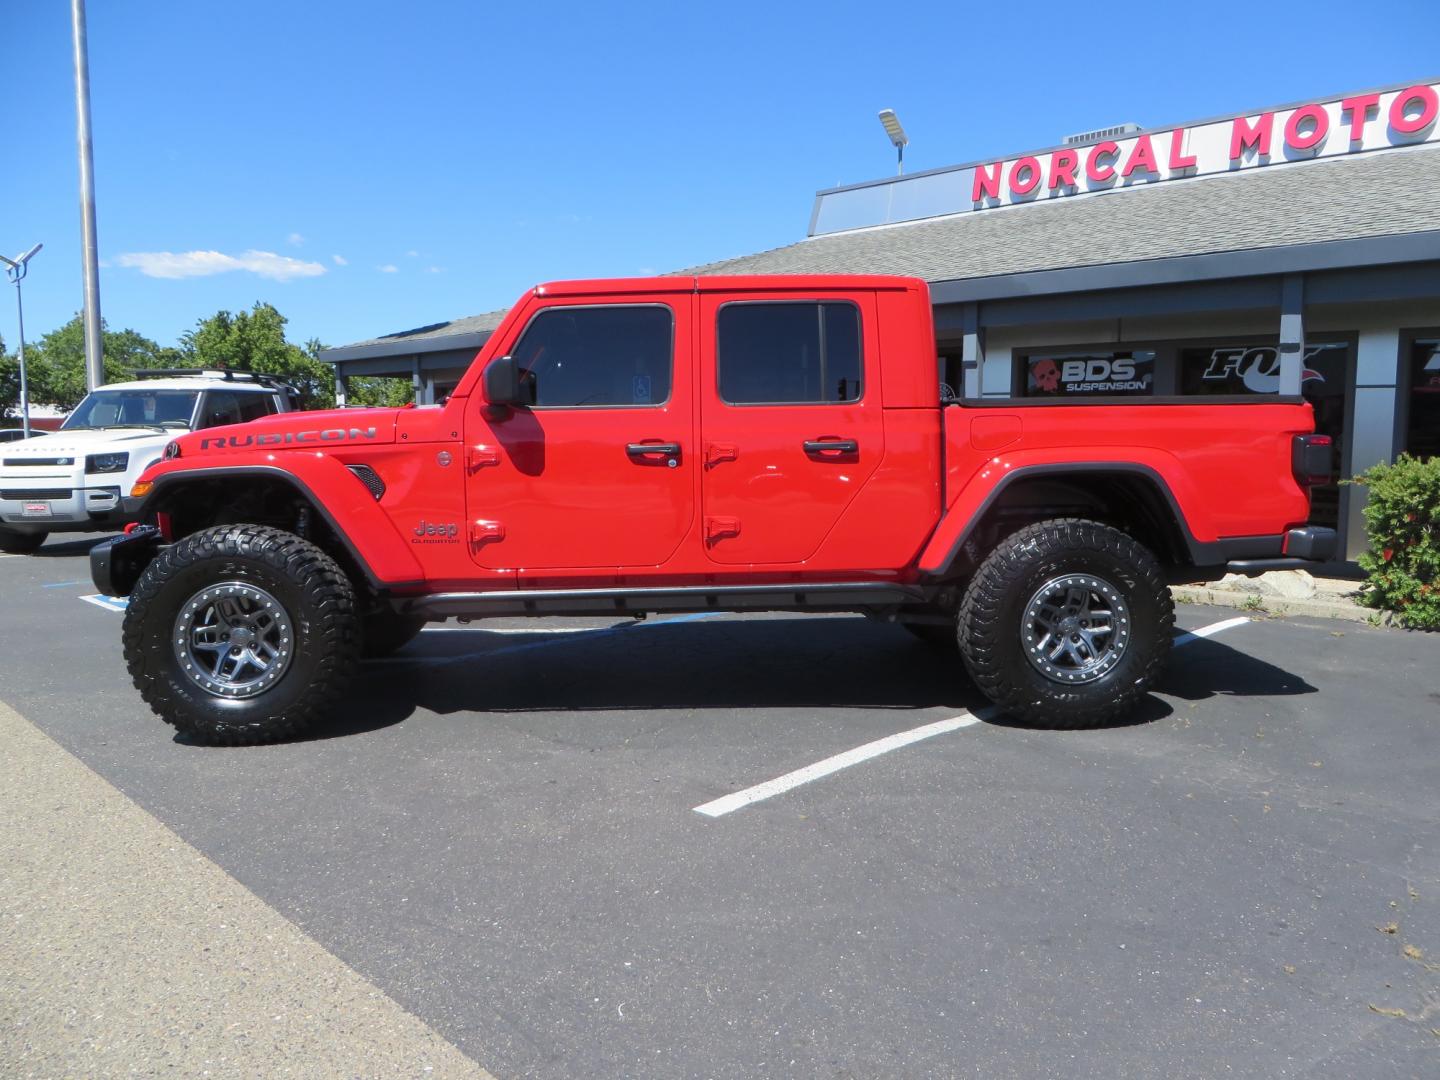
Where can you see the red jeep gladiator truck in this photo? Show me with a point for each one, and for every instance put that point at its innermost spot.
(682, 444)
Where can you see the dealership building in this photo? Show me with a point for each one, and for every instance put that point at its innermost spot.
(1293, 249)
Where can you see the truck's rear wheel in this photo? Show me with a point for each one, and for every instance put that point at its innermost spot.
(241, 634)
(1067, 624)
(20, 543)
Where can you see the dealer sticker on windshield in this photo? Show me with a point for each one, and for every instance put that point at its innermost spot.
(35, 509)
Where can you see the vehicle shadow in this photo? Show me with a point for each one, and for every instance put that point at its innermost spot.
(68, 549)
(848, 663)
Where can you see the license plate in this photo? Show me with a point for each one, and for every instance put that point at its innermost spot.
(35, 509)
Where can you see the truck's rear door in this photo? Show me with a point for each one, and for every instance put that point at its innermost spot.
(791, 418)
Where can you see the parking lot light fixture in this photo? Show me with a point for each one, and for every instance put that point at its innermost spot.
(898, 138)
(16, 269)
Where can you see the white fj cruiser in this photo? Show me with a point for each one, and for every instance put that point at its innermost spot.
(76, 479)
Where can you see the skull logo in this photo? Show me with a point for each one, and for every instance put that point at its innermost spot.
(1046, 376)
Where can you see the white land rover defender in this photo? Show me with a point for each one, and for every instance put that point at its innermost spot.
(76, 479)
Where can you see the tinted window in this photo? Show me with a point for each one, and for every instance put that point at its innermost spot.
(596, 356)
(789, 353)
(254, 406)
(1423, 437)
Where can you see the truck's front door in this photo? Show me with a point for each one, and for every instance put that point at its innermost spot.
(597, 471)
(791, 420)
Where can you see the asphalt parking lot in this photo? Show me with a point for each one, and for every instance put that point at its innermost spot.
(501, 834)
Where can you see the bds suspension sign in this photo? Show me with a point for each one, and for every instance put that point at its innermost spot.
(1371, 121)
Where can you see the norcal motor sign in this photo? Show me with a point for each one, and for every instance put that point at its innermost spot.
(1334, 127)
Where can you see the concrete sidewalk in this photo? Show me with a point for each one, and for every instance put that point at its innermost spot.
(1287, 592)
(126, 952)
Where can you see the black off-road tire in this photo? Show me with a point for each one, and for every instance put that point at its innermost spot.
(993, 617)
(386, 632)
(20, 543)
(315, 594)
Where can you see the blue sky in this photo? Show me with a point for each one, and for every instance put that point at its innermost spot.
(369, 167)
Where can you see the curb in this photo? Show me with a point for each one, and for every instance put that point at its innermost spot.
(1279, 605)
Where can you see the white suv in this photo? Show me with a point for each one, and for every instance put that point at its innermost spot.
(76, 479)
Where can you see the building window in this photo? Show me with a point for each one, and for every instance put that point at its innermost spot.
(789, 353)
(1255, 369)
(1423, 436)
(1074, 374)
(571, 357)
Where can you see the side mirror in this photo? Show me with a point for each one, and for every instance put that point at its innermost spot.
(502, 382)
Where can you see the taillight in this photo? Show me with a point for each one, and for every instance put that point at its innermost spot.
(1310, 459)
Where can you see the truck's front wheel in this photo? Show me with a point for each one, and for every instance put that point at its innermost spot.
(241, 634)
(1067, 624)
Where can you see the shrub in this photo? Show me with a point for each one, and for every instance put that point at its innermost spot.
(1403, 522)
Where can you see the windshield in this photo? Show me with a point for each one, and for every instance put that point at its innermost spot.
(133, 408)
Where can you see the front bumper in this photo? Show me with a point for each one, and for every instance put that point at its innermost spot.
(55, 506)
(116, 565)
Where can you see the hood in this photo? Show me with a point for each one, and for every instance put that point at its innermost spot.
(294, 431)
(86, 441)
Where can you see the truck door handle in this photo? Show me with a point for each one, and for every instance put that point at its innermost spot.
(831, 446)
(641, 449)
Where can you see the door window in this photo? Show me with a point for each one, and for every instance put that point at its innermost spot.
(1423, 439)
(572, 357)
(789, 353)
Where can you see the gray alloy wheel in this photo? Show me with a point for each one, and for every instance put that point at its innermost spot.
(233, 639)
(1076, 627)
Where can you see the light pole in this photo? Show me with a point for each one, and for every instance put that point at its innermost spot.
(16, 268)
(898, 138)
(90, 259)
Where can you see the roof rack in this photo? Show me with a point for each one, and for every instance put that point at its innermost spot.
(260, 377)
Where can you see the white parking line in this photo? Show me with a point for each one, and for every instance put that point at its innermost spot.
(1208, 631)
(15, 556)
(734, 801)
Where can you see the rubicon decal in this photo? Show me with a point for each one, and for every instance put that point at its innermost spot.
(282, 438)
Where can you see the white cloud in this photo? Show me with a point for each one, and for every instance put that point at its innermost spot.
(434, 270)
(295, 240)
(340, 260)
(412, 254)
(388, 268)
(189, 264)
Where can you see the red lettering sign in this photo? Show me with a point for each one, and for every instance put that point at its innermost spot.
(1298, 140)
(986, 186)
(1098, 173)
(1244, 136)
(1142, 156)
(1179, 161)
(1031, 181)
(1063, 164)
(1429, 106)
(1359, 109)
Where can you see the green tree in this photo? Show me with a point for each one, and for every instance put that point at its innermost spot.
(381, 390)
(9, 384)
(55, 365)
(254, 340)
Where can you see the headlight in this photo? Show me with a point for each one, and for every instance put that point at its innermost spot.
(103, 463)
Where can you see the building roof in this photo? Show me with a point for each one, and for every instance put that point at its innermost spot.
(1297, 206)
(469, 332)
(1377, 194)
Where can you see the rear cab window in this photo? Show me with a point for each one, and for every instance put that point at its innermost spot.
(789, 353)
